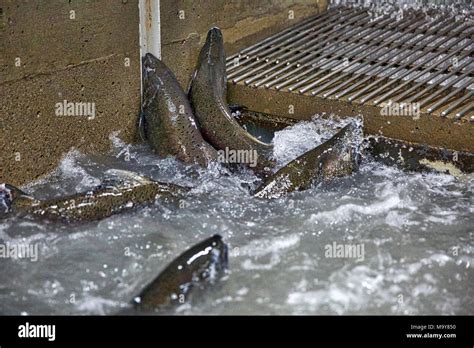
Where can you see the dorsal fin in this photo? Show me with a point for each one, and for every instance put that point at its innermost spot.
(14, 191)
(142, 127)
(125, 177)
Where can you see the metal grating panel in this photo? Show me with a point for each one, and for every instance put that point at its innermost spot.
(346, 54)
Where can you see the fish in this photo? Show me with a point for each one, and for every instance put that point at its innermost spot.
(8, 195)
(123, 191)
(208, 96)
(338, 156)
(167, 120)
(200, 264)
(418, 157)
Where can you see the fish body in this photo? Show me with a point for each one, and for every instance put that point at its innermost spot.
(168, 120)
(111, 197)
(208, 97)
(338, 156)
(201, 263)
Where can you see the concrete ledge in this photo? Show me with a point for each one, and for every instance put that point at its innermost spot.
(430, 130)
(402, 154)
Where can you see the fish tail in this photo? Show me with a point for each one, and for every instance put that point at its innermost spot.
(8, 195)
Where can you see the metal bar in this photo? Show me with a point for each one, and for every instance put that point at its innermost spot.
(464, 111)
(255, 59)
(326, 26)
(408, 54)
(299, 64)
(455, 104)
(364, 47)
(399, 77)
(298, 55)
(338, 87)
(346, 52)
(304, 63)
(445, 98)
(439, 91)
(430, 78)
(406, 40)
(422, 72)
(366, 69)
(308, 22)
(280, 41)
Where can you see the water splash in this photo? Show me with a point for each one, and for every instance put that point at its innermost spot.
(416, 229)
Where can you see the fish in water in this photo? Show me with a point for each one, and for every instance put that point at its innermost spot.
(167, 117)
(123, 192)
(201, 263)
(208, 96)
(339, 156)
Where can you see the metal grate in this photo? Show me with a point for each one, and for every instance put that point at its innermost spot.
(346, 54)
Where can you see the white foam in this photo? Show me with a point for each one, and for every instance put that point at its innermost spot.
(69, 168)
(274, 247)
(279, 260)
(261, 247)
(346, 290)
(295, 140)
(96, 305)
(345, 212)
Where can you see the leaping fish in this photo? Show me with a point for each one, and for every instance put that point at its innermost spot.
(339, 156)
(167, 118)
(208, 97)
(203, 262)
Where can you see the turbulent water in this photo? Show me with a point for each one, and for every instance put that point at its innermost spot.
(414, 234)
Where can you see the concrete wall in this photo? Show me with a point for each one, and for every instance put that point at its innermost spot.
(79, 50)
(184, 25)
(51, 51)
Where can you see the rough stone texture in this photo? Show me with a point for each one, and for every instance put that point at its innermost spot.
(428, 129)
(44, 37)
(243, 22)
(78, 60)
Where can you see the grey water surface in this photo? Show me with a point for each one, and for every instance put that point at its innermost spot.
(414, 233)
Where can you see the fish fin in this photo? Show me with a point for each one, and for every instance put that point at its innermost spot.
(141, 127)
(125, 176)
(15, 191)
(10, 194)
(190, 85)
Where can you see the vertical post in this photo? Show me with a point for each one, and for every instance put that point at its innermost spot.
(150, 33)
(150, 36)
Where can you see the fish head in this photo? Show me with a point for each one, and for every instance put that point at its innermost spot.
(212, 58)
(343, 156)
(151, 67)
(154, 70)
(207, 259)
(214, 34)
(213, 53)
(150, 62)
